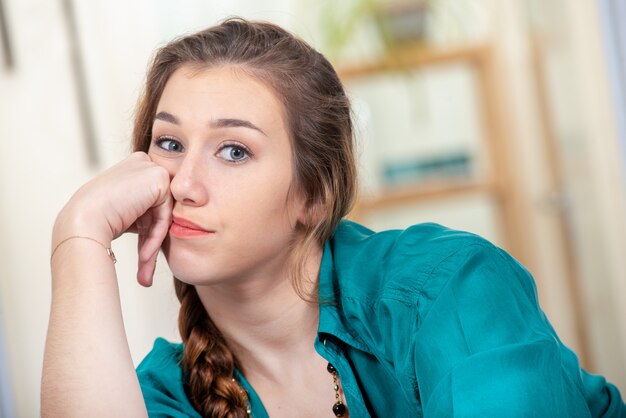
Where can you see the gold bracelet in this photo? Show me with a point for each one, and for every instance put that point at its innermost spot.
(108, 249)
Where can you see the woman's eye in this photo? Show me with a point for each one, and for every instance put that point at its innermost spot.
(233, 153)
(169, 144)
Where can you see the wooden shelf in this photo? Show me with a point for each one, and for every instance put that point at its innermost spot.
(420, 193)
(413, 56)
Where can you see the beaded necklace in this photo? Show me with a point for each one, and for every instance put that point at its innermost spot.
(339, 408)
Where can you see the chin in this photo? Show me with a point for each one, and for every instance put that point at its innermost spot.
(187, 272)
(183, 266)
(197, 271)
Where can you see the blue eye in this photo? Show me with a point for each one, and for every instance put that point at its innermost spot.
(234, 153)
(169, 144)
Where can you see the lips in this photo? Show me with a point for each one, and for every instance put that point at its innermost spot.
(184, 228)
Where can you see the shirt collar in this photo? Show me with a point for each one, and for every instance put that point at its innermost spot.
(332, 322)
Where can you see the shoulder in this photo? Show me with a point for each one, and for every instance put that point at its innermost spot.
(432, 242)
(431, 280)
(457, 319)
(407, 263)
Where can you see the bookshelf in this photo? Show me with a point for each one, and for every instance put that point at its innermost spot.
(494, 182)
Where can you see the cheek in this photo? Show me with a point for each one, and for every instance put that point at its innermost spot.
(169, 164)
(261, 201)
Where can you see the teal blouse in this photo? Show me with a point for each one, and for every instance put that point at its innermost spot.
(425, 322)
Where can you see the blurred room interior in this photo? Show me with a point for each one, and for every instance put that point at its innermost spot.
(506, 118)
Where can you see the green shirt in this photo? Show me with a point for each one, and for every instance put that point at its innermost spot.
(425, 322)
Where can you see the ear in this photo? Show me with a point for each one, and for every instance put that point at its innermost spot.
(311, 213)
(301, 210)
(305, 212)
(296, 207)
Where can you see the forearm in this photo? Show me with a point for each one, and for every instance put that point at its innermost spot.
(88, 370)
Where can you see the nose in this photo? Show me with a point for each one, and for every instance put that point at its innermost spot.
(188, 184)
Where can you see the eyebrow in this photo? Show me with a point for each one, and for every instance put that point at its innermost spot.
(218, 123)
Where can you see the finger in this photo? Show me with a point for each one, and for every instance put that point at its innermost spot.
(160, 219)
(144, 275)
(146, 260)
(150, 240)
(145, 271)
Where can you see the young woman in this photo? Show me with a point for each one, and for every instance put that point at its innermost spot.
(244, 168)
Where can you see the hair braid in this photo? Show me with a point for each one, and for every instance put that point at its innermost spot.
(208, 363)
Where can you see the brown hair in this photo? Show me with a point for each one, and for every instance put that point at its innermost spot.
(319, 123)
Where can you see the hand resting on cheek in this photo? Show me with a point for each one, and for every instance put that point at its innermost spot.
(132, 196)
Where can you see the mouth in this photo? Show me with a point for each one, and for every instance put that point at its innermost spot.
(184, 228)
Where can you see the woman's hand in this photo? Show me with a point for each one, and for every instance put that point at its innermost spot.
(132, 196)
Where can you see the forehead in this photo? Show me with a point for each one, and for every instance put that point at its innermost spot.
(221, 92)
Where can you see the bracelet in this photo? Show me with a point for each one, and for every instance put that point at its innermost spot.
(108, 249)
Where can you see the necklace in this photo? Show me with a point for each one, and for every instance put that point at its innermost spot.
(244, 395)
(339, 408)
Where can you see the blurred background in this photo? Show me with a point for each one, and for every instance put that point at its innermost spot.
(502, 117)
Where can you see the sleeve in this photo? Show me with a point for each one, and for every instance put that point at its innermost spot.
(483, 347)
(161, 381)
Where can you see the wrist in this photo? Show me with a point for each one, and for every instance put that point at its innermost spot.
(73, 222)
(108, 250)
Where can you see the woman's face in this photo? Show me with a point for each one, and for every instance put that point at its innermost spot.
(222, 136)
